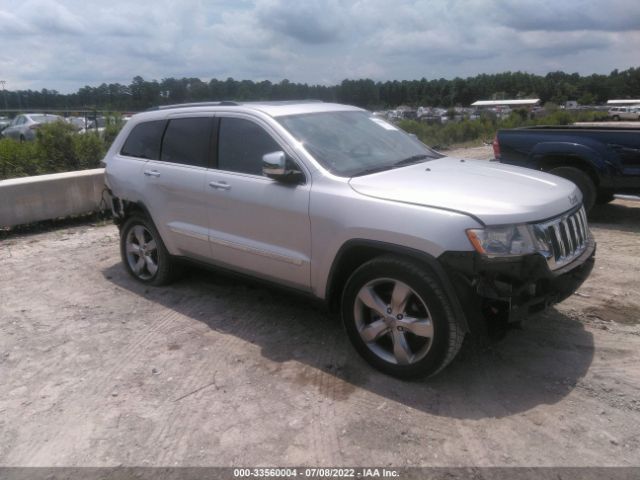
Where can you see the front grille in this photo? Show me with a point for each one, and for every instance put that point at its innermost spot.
(567, 237)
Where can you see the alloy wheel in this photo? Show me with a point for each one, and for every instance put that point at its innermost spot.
(393, 321)
(142, 252)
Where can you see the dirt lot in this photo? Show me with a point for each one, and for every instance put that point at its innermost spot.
(98, 370)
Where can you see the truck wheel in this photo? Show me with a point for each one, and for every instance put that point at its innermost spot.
(399, 319)
(604, 197)
(143, 253)
(583, 182)
(616, 118)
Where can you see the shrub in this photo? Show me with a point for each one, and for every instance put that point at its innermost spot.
(55, 143)
(57, 148)
(111, 129)
(19, 159)
(485, 128)
(89, 149)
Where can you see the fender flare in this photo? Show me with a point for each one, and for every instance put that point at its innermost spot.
(577, 154)
(424, 258)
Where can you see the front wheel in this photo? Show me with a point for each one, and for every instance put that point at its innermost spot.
(143, 253)
(399, 319)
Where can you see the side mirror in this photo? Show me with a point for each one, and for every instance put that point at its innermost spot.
(274, 165)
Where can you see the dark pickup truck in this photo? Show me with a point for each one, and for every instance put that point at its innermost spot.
(601, 161)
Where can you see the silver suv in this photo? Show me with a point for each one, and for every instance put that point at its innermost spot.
(415, 249)
(625, 113)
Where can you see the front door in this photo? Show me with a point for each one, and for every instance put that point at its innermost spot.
(257, 225)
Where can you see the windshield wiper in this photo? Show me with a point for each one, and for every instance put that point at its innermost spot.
(412, 159)
(399, 163)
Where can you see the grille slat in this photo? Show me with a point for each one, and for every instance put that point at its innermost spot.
(573, 231)
(578, 229)
(567, 234)
(563, 252)
(567, 237)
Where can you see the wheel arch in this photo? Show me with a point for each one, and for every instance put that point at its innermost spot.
(354, 253)
(123, 209)
(550, 161)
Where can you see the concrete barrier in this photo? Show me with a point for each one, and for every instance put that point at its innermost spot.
(46, 197)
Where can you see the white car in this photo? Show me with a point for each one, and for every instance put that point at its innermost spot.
(24, 126)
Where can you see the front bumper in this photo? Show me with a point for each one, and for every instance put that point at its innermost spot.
(514, 288)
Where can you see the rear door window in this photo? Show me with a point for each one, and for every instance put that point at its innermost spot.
(187, 141)
(144, 140)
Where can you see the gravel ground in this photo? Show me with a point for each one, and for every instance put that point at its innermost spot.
(474, 153)
(98, 370)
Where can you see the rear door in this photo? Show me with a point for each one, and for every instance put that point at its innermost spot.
(174, 184)
(257, 225)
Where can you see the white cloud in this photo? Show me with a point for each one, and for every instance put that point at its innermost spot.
(65, 45)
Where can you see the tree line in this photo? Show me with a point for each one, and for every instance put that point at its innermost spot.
(140, 94)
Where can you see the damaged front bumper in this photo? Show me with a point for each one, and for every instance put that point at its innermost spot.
(513, 288)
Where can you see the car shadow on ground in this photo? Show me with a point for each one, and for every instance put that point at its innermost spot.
(621, 215)
(540, 364)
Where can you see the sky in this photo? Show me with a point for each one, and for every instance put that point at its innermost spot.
(66, 44)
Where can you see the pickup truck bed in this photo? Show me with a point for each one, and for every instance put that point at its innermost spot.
(601, 161)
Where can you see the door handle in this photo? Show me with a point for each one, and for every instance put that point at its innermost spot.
(220, 185)
(152, 173)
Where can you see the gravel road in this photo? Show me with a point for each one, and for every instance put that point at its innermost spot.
(98, 370)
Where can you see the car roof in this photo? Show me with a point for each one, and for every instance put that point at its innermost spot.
(273, 109)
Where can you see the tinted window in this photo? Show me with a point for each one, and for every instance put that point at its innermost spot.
(242, 144)
(144, 140)
(187, 140)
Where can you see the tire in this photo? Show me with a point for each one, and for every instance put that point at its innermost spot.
(154, 266)
(604, 197)
(616, 118)
(377, 323)
(583, 182)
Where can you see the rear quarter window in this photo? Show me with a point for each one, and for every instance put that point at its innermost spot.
(144, 140)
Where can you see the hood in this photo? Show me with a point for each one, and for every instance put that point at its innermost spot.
(494, 193)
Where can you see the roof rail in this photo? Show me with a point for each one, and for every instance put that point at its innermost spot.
(228, 103)
(224, 103)
(282, 102)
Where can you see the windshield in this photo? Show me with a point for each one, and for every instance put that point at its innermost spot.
(355, 143)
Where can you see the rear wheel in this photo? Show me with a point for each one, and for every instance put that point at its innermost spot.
(143, 253)
(583, 182)
(399, 319)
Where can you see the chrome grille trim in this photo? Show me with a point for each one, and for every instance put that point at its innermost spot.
(567, 236)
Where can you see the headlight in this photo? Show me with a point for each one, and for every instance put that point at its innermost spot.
(506, 241)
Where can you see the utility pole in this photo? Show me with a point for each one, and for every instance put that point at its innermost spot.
(4, 94)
